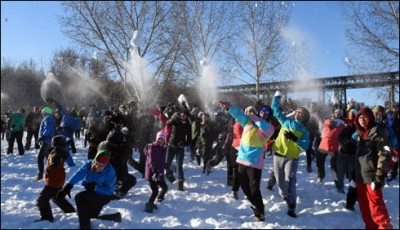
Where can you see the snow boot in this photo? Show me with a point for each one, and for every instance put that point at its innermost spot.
(51, 220)
(170, 176)
(258, 215)
(39, 176)
(235, 195)
(292, 214)
(291, 210)
(113, 217)
(150, 207)
(180, 185)
(161, 195)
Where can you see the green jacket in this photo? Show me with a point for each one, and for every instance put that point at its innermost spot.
(17, 122)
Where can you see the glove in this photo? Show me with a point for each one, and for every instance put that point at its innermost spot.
(278, 94)
(66, 190)
(184, 105)
(162, 108)
(290, 136)
(156, 177)
(41, 138)
(89, 186)
(378, 183)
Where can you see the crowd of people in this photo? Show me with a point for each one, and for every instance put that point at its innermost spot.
(361, 142)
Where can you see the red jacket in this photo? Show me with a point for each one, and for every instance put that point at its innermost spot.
(330, 134)
(237, 134)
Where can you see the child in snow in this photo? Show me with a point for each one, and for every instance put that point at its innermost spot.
(155, 165)
(54, 180)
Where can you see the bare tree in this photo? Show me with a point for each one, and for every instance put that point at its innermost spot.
(257, 50)
(204, 28)
(107, 27)
(373, 30)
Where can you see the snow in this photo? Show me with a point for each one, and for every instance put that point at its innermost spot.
(205, 203)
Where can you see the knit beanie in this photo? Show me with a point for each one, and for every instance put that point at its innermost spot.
(162, 135)
(340, 111)
(59, 141)
(47, 110)
(265, 110)
(102, 157)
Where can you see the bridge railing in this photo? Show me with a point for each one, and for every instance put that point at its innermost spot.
(342, 82)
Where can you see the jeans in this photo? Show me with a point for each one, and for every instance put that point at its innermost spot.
(180, 154)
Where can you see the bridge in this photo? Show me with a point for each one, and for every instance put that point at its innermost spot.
(338, 85)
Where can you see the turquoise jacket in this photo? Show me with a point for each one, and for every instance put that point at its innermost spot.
(17, 122)
(256, 133)
(285, 147)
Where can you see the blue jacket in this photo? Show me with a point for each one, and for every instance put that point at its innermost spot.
(47, 128)
(69, 122)
(106, 179)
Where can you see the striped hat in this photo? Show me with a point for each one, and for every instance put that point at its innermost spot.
(102, 157)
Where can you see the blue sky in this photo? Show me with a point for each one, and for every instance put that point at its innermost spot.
(30, 30)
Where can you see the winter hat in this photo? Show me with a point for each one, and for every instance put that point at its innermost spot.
(340, 111)
(354, 111)
(102, 157)
(162, 135)
(250, 109)
(47, 110)
(59, 141)
(265, 110)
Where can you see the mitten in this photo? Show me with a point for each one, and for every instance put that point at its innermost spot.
(41, 138)
(156, 177)
(290, 136)
(184, 105)
(66, 190)
(89, 186)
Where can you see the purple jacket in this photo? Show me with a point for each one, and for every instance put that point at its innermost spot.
(155, 159)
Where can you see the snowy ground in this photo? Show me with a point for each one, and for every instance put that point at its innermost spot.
(205, 203)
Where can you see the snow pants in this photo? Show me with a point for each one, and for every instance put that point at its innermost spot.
(249, 179)
(43, 203)
(372, 207)
(89, 205)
